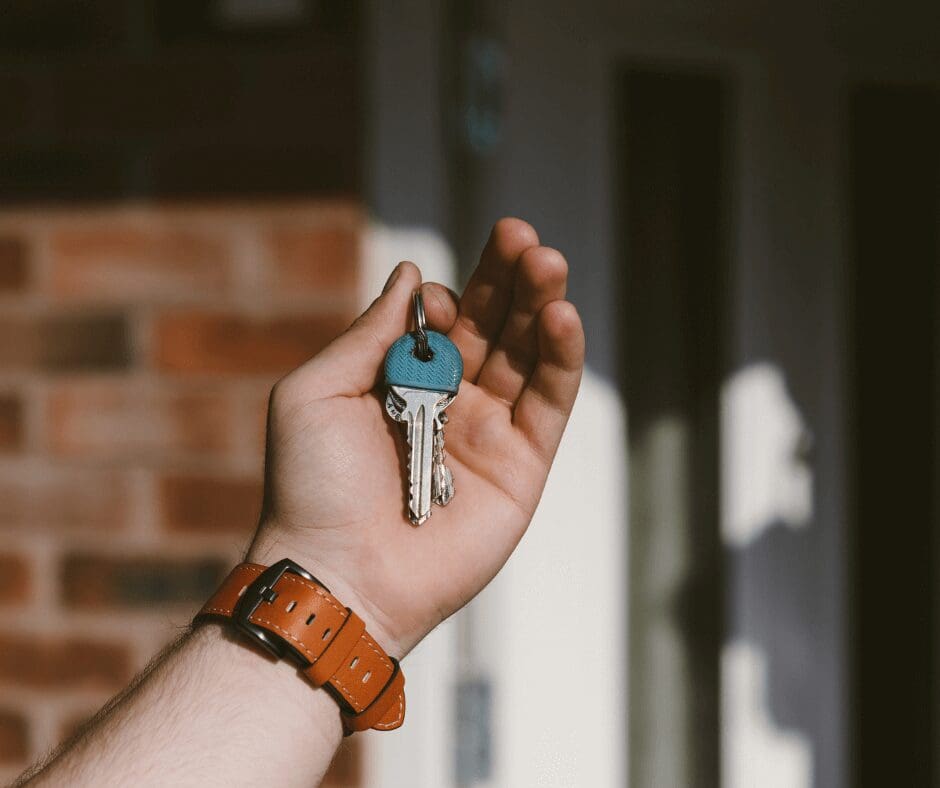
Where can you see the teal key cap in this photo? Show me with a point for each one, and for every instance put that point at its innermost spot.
(442, 372)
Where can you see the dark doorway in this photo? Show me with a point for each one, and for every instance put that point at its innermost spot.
(895, 174)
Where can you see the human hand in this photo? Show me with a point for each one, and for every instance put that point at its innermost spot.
(334, 479)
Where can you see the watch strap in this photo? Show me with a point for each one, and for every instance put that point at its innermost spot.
(298, 616)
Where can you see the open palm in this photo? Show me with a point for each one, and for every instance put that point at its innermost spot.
(335, 498)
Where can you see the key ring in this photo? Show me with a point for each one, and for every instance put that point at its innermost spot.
(422, 347)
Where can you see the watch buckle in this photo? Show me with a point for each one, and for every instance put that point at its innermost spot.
(261, 591)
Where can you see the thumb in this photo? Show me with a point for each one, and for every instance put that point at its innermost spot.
(350, 364)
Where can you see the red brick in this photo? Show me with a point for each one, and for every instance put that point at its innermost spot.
(11, 422)
(210, 504)
(319, 260)
(15, 579)
(138, 263)
(117, 419)
(228, 343)
(14, 264)
(100, 582)
(14, 737)
(48, 662)
(55, 496)
(65, 342)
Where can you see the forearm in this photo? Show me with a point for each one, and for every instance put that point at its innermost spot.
(213, 709)
(211, 712)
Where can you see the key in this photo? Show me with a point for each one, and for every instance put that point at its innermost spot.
(442, 480)
(423, 370)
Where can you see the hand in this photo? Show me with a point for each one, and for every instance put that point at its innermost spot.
(334, 498)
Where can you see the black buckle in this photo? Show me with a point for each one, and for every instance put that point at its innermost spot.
(262, 590)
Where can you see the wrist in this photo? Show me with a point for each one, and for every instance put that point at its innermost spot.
(273, 542)
(285, 609)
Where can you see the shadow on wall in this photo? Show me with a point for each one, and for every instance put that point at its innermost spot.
(770, 684)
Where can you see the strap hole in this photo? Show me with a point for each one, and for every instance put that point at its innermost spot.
(354, 663)
(310, 618)
(291, 605)
(326, 634)
(367, 676)
(244, 589)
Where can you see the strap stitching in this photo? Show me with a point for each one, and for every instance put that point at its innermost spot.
(401, 708)
(318, 590)
(384, 661)
(374, 646)
(306, 651)
(332, 643)
(397, 721)
(328, 598)
(347, 693)
(226, 611)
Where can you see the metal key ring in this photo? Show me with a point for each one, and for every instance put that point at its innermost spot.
(422, 347)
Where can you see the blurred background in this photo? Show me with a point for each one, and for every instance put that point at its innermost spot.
(732, 579)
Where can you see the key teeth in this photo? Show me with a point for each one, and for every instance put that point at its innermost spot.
(411, 498)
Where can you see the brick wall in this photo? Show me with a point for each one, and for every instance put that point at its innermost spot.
(137, 347)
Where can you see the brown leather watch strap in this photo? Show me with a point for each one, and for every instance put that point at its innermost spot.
(286, 610)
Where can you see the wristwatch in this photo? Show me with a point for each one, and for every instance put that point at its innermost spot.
(287, 611)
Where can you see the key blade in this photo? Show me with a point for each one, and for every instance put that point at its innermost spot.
(422, 455)
(421, 411)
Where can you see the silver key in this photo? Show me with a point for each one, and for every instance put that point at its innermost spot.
(420, 410)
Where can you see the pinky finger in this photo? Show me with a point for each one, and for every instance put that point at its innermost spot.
(542, 409)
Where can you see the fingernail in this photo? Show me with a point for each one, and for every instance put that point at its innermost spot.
(392, 277)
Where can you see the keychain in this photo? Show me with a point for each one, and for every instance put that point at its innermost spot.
(423, 370)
